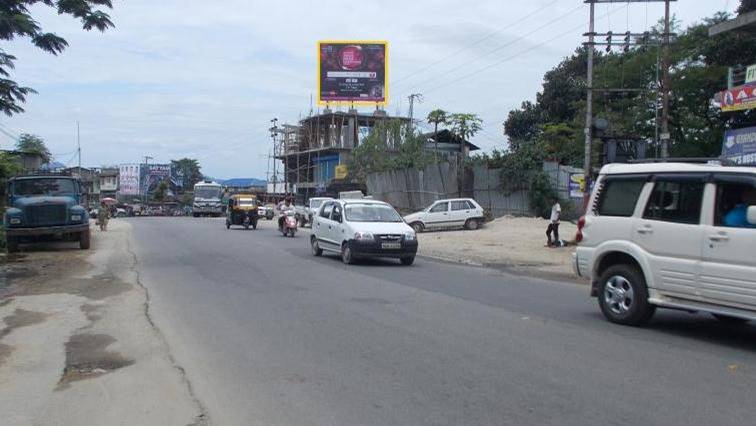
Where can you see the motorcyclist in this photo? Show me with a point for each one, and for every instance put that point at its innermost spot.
(283, 207)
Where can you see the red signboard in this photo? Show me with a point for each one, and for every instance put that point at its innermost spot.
(353, 72)
(739, 98)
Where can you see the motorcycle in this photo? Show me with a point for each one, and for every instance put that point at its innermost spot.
(288, 226)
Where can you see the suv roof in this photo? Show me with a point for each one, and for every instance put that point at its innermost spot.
(647, 168)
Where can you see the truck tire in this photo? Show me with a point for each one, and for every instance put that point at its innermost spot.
(84, 240)
(11, 243)
(623, 295)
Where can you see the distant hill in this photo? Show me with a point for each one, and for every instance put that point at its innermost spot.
(243, 182)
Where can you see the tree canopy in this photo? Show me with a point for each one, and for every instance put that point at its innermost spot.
(16, 21)
(35, 145)
(191, 170)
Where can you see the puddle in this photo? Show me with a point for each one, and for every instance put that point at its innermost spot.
(87, 357)
(21, 318)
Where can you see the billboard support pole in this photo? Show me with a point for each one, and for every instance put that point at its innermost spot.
(589, 111)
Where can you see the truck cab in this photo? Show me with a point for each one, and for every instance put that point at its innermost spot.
(45, 205)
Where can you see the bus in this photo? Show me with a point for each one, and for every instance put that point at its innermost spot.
(207, 199)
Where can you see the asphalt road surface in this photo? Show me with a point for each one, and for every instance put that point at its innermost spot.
(270, 335)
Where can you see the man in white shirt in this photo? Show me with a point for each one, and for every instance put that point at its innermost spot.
(556, 213)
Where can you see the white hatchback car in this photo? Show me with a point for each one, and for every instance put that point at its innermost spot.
(444, 214)
(362, 229)
(671, 235)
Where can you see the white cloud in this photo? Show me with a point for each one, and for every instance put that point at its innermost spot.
(203, 78)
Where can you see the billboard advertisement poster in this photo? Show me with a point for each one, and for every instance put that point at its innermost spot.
(739, 98)
(740, 146)
(128, 179)
(152, 175)
(577, 185)
(353, 71)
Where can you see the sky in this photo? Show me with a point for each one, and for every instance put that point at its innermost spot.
(202, 79)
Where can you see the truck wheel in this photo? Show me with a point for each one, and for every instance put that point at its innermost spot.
(11, 243)
(84, 240)
(623, 296)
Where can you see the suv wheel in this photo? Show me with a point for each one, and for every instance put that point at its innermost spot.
(346, 254)
(84, 240)
(472, 224)
(316, 250)
(623, 296)
(407, 261)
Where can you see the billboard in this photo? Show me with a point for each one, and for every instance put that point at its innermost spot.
(153, 174)
(353, 71)
(128, 179)
(739, 98)
(740, 146)
(576, 185)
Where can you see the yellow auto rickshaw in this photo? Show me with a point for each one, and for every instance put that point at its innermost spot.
(242, 211)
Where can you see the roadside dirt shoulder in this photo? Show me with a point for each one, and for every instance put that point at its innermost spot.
(77, 345)
(515, 244)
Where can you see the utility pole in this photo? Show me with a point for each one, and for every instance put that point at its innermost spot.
(147, 159)
(412, 98)
(665, 136)
(588, 159)
(273, 129)
(78, 145)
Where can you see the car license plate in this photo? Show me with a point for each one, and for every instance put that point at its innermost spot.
(391, 246)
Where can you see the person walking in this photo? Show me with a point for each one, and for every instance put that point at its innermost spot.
(556, 213)
(103, 215)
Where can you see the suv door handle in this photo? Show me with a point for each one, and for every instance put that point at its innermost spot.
(719, 237)
(645, 231)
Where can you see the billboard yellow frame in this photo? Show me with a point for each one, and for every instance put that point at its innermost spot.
(385, 73)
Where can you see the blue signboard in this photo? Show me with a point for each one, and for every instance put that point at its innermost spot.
(740, 146)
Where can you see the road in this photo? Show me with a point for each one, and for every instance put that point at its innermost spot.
(270, 335)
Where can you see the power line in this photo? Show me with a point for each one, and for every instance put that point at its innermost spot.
(480, 40)
(510, 43)
(529, 49)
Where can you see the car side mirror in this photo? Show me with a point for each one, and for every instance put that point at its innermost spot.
(751, 215)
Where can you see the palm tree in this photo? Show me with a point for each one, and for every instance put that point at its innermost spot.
(437, 116)
(464, 126)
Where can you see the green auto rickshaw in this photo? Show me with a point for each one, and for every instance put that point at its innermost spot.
(242, 211)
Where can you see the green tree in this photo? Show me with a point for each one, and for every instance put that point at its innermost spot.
(437, 117)
(523, 124)
(465, 125)
(746, 6)
(16, 21)
(35, 145)
(191, 169)
(161, 191)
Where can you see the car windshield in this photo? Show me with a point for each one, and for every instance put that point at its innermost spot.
(316, 203)
(207, 192)
(26, 187)
(371, 213)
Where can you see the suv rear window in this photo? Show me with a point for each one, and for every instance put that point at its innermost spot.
(675, 201)
(619, 196)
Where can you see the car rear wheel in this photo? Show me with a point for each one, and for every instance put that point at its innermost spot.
(730, 320)
(418, 226)
(472, 224)
(346, 254)
(11, 243)
(407, 261)
(316, 250)
(623, 296)
(84, 240)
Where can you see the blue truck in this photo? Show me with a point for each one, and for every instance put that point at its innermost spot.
(45, 206)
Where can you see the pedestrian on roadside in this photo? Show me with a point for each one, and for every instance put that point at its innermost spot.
(556, 213)
(103, 215)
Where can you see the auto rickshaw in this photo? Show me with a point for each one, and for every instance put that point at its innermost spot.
(242, 211)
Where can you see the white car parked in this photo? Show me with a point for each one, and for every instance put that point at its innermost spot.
(444, 214)
(671, 235)
(357, 229)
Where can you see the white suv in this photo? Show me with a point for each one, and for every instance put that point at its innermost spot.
(443, 214)
(671, 235)
(362, 228)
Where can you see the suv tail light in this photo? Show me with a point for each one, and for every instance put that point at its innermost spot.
(580, 226)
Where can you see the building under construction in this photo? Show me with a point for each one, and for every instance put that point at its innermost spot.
(316, 152)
